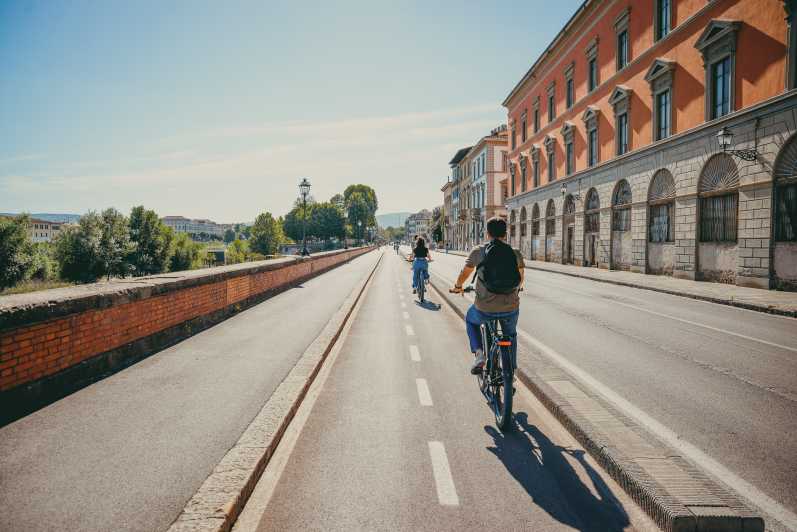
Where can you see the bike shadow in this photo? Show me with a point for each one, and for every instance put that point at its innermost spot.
(540, 466)
(428, 305)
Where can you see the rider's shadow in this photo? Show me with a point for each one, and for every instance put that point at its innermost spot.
(428, 305)
(548, 477)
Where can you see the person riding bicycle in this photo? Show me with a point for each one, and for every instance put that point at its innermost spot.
(499, 279)
(420, 257)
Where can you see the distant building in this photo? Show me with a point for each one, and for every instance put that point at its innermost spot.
(419, 224)
(43, 231)
(181, 224)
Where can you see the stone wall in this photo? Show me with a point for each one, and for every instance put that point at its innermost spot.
(54, 340)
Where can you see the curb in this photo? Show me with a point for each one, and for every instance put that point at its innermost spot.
(221, 497)
(699, 297)
(674, 493)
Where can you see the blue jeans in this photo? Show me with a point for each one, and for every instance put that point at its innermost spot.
(475, 317)
(423, 266)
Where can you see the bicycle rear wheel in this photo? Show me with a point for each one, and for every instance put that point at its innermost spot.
(502, 389)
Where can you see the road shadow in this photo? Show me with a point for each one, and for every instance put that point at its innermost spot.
(548, 477)
(428, 305)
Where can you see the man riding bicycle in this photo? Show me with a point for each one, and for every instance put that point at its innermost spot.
(499, 278)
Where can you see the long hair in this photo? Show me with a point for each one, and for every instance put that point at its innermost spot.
(420, 244)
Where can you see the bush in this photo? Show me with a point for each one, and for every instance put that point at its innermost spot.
(16, 250)
(187, 254)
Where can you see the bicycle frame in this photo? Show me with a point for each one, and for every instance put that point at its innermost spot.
(496, 379)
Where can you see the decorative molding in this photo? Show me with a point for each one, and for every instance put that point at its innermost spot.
(660, 74)
(620, 99)
(590, 117)
(569, 70)
(719, 38)
(567, 131)
(719, 173)
(662, 186)
(591, 50)
(621, 21)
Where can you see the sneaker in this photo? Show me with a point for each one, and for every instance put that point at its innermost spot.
(414, 291)
(478, 363)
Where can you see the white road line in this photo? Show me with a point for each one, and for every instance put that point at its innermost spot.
(741, 486)
(446, 491)
(405, 315)
(401, 297)
(415, 355)
(423, 392)
(403, 305)
(410, 331)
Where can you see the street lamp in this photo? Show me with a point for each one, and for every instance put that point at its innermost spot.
(360, 231)
(576, 196)
(725, 138)
(304, 190)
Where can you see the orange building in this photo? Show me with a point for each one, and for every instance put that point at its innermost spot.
(616, 156)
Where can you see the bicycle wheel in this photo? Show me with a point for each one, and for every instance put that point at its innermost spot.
(483, 378)
(502, 389)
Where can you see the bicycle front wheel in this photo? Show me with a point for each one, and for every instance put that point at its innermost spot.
(503, 390)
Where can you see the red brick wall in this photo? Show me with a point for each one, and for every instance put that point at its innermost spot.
(33, 351)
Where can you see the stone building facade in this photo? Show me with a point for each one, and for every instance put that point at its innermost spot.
(659, 137)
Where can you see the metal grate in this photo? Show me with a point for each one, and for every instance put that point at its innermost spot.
(718, 216)
(786, 213)
(719, 173)
(662, 186)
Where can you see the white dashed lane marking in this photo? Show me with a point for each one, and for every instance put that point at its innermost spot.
(406, 315)
(446, 491)
(415, 355)
(410, 331)
(423, 392)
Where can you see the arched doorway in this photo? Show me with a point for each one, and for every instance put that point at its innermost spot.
(512, 232)
(661, 224)
(535, 231)
(592, 227)
(550, 230)
(524, 245)
(622, 254)
(568, 229)
(784, 252)
(718, 208)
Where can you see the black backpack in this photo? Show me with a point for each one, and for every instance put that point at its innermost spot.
(498, 272)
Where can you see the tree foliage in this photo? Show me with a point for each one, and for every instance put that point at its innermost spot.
(98, 246)
(266, 235)
(361, 205)
(327, 221)
(187, 254)
(16, 250)
(229, 236)
(237, 252)
(152, 242)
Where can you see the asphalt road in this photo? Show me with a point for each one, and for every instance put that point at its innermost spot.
(400, 438)
(126, 453)
(722, 378)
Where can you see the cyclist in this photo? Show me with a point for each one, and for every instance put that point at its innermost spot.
(396, 246)
(420, 257)
(499, 278)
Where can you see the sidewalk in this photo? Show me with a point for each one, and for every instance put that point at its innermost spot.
(770, 301)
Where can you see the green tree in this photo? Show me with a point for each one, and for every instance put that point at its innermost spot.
(114, 246)
(152, 242)
(292, 224)
(187, 254)
(98, 246)
(16, 250)
(266, 235)
(358, 210)
(43, 264)
(237, 252)
(338, 201)
(229, 236)
(327, 221)
(368, 195)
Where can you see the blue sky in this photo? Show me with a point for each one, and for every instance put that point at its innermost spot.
(217, 109)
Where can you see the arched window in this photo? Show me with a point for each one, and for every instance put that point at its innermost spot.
(621, 207)
(523, 221)
(535, 220)
(570, 206)
(550, 218)
(511, 224)
(785, 175)
(661, 207)
(718, 189)
(592, 214)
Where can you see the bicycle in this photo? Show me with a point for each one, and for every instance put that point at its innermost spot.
(496, 379)
(420, 280)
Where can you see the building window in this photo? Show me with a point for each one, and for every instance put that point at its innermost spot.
(523, 127)
(719, 199)
(786, 212)
(570, 87)
(514, 139)
(621, 207)
(550, 219)
(523, 221)
(570, 158)
(661, 226)
(717, 44)
(593, 147)
(536, 114)
(592, 69)
(622, 134)
(662, 19)
(551, 103)
(661, 199)
(522, 174)
(622, 49)
(720, 88)
(663, 110)
(535, 220)
(551, 154)
(536, 172)
(592, 215)
(512, 178)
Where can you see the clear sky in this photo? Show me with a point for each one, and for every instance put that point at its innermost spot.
(217, 109)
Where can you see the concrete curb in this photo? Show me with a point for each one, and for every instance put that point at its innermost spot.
(675, 494)
(699, 297)
(221, 498)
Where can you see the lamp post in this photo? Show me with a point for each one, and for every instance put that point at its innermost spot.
(725, 138)
(304, 189)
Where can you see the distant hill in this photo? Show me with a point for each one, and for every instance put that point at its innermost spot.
(49, 217)
(393, 219)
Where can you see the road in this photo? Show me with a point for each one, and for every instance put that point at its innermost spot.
(723, 379)
(127, 452)
(399, 438)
